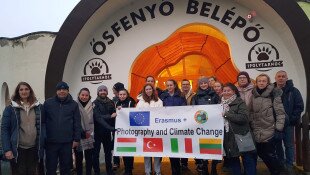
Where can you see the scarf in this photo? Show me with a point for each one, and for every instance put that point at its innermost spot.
(87, 120)
(226, 109)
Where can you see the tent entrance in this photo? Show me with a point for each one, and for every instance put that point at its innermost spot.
(192, 51)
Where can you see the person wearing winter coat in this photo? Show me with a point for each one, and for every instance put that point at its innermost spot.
(205, 96)
(87, 135)
(267, 117)
(149, 98)
(104, 112)
(245, 87)
(173, 97)
(236, 121)
(125, 101)
(23, 131)
(293, 106)
(116, 88)
(63, 129)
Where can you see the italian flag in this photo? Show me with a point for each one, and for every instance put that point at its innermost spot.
(126, 145)
(210, 146)
(188, 145)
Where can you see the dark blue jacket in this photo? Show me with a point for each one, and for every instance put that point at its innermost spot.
(63, 120)
(10, 129)
(103, 110)
(292, 102)
(205, 97)
(176, 100)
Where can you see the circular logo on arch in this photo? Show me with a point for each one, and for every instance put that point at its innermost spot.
(201, 116)
(95, 71)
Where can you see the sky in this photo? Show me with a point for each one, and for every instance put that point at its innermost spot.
(19, 17)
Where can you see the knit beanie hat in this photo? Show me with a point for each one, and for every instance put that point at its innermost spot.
(245, 74)
(203, 80)
(102, 87)
(118, 86)
(62, 85)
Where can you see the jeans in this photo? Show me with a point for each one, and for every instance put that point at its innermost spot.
(105, 139)
(79, 161)
(249, 161)
(288, 141)
(148, 164)
(27, 162)
(61, 152)
(267, 151)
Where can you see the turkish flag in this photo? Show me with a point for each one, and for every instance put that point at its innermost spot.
(152, 145)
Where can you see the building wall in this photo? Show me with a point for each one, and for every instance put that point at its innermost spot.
(24, 59)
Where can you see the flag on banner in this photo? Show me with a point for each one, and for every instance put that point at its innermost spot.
(188, 145)
(141, 118)
(129, 145)
(210, 146)
(174, 145)
(152, 145)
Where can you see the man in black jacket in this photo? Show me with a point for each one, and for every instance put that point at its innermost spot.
(104, 113)
(63, 130)
(294, 106)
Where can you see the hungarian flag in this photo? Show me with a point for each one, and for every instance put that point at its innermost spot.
(152, 145)
(210, 146)
(126, 145)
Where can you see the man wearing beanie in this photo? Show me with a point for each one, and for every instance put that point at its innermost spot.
(104, 112)
(245, 87)
(63, 129)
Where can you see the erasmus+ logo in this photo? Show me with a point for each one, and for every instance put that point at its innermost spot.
(141, 118)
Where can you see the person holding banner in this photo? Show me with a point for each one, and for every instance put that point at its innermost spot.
(173, 97)
(104, 112)
(205, 96)
(236, 122)
(149, 98)
(267, 117)
(87, 135)
(125, 101)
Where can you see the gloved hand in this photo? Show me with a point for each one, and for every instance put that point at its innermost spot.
(278, 135)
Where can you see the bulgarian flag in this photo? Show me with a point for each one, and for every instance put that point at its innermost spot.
(210, 146)
(126, 145)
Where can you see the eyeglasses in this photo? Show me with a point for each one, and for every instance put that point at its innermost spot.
(185, 84)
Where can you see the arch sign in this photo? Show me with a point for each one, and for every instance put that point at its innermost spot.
(123, 41)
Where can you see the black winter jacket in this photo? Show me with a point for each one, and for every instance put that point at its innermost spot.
(63, 120)
(205, 97)
(292, 102)
(103, 110)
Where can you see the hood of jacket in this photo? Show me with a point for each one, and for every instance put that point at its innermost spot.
(271, 90)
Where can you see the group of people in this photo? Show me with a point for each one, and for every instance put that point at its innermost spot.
(36, 138)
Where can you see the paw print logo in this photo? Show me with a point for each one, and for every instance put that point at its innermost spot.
(263, 52)
(95, 67)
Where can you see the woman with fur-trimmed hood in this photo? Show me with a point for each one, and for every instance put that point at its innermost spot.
(267, 117)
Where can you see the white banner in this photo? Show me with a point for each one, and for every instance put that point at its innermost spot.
(181, 131)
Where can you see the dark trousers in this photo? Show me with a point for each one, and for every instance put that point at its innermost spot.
(249, 163)
(61, 152)
(116, 159)
(267, 151)
(128, 163)
(105, 140)
(175, 166)
(184, 161)
(27, 162)
(79, 161)
(288, 141)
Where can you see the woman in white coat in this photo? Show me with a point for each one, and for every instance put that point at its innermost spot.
(149, 98)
